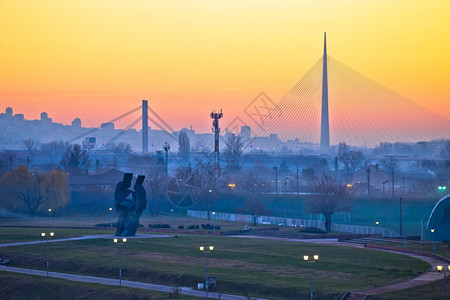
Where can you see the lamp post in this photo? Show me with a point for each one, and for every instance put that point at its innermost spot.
(121, 243)
(276, 179)
(442, 189)
(209, 250)
(432, 238)
(214, 223)
(49, 217)
(166, 148)
(110, 217)
(378, 231)
(385, 200)
(47, 237)
(315, 259)
(171, 219)
(440, 268)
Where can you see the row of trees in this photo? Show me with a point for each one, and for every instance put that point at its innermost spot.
(26, 191)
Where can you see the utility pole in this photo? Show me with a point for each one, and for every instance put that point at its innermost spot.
(392, 182)
(401, 225)
(368, 181)
(216, 131)
(276, 179)
(166, 148)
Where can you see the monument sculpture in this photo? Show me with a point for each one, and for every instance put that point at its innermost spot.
(129, 204)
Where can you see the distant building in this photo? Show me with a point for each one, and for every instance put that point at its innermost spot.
(245, 133)
(108, 126)
(76, 123)
(89, 143)
(104, 182)
(9, 112)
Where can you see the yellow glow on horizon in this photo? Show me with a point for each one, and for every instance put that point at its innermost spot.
(74, 58)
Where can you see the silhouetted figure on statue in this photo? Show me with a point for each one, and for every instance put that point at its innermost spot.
(129, 204)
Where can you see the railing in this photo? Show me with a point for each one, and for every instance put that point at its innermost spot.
(259, 220)
(358, 229)
(385, 232)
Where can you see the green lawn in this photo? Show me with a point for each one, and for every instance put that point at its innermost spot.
(19, 286)
(271, 269)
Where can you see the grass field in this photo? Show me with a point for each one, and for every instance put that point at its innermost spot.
(271, 269)
(25, 287)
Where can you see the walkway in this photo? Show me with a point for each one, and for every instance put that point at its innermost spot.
(132, 284)
(430, 276)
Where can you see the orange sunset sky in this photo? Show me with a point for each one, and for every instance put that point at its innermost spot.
(97, 59)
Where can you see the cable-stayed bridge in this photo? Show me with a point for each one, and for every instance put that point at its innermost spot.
(331, 103)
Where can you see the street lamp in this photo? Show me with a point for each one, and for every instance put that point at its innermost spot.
(378, 231)
(209, 250)
(110, 217)
(315, 259)
(166, 148)
(432, 238)
(442, 189)
(121, 243)
(49, 217)
(47, 237)
(171, 219)
(385, 200)
(214, 223)
(439, 268)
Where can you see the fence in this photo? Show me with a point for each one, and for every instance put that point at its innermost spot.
(385, 232)
(259, 220)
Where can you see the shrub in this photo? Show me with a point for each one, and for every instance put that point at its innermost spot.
(193, 227)
(159, 225)
(181, 227)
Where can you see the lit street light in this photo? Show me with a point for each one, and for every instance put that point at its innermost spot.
(439, 268)
(432, 238)
(47, 237)
(49, 217)
(171, 219)
(110, 217)
(442, 189)
(116, 241)
(214, 223)
(378, 231)
(209, 250)
(315, 259)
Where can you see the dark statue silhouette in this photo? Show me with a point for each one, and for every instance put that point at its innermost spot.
(129, 204)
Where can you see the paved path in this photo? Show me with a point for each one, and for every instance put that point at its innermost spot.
(86, 237)
(127, 283)
(430, 276)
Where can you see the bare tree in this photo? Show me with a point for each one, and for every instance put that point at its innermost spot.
(330, 197)
(233, 151)
(445, 152)
(75, 160)
(119, 148)
(252, 184)
(350, 160)
(184, 145)
(155, 184)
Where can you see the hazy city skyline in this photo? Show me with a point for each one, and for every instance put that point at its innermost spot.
(188, 63)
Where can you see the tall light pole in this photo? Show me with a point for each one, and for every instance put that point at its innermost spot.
(171, 219)
(439, 268)
(432, 238)
(47, 237)
(110, 217)
(49, 217)
(315, 259)
(121, 243)
(378, 231)
(276, 179)
(385, 200)
(166, 148)
(214, 223)
(209, 250)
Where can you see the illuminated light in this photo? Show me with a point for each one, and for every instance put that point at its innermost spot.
(231, 185)
(305, 257)
(211, 248)
(202, 248)
(316, 257)
(349, 185)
